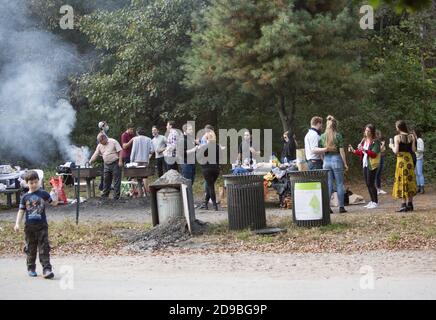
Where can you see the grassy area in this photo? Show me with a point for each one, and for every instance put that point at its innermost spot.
(98, 238)
(346, 233)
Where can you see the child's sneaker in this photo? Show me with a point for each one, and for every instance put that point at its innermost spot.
(380, 191)
(32, 273)
(48, 274)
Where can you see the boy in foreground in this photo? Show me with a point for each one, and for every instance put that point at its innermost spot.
(32, 205)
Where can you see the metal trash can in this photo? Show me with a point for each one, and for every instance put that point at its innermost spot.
(169, 204)
(245, 201)
(310, 198)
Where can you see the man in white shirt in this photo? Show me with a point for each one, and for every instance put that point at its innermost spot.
(159, 143)
(311, 141)
(142, 148)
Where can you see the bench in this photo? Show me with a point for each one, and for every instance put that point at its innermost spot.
(9, 193)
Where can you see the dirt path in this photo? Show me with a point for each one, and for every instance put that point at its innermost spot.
(396, 275)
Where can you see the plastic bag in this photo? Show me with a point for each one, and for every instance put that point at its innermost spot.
(54, 195)
(58, 187)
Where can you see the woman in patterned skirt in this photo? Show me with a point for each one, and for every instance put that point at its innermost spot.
(405, 181)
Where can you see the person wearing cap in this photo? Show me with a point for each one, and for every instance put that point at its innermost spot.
(110, 150)
(103, 127)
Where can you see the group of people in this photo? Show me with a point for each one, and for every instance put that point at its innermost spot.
(323, 151)
(327, 151)
(137, 147)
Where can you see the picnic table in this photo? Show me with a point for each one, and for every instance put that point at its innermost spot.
(137, 173)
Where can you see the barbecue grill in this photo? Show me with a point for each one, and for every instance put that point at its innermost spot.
(89, 174)
(137, 172)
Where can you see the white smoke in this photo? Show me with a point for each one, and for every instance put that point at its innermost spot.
(34, 67)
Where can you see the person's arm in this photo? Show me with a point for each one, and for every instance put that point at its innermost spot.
(152, 150)
(95, 155)
(357, 152)
(254, 151)
(46, 197)
(127, 144)
(420, 145)
(413, 143)
(165, 144)
(396, 145)
(344, 159)
(192, 150)
(322, 150)
(20, 215)
(318, 150)
(162, 149)
(118, 150)
(133, 152)
(120, 159)
(316, 147)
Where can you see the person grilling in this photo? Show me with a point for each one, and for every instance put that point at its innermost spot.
(110, 150)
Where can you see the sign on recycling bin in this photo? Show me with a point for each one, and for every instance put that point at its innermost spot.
(308, 201)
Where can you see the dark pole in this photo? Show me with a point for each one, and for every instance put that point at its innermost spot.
(78, 195)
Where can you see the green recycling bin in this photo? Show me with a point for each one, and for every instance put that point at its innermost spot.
(310, 197)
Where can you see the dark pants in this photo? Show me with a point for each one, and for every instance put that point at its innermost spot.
(36, 237)
(169, 166)
(188, 172)
(101, 185)
(112, 171)
(210, 176)
(314, 164)
(379, 172)
(369, 176)
(160, 166)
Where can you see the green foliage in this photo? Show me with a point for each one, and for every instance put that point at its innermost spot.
(403, 5)
(139, 76)
(403, 88)
(275, 50)
(253, 64)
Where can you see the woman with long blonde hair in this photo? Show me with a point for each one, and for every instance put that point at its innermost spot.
(334, 159)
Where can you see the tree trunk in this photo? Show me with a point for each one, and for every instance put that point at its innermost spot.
(287, 116)
(281, 108)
